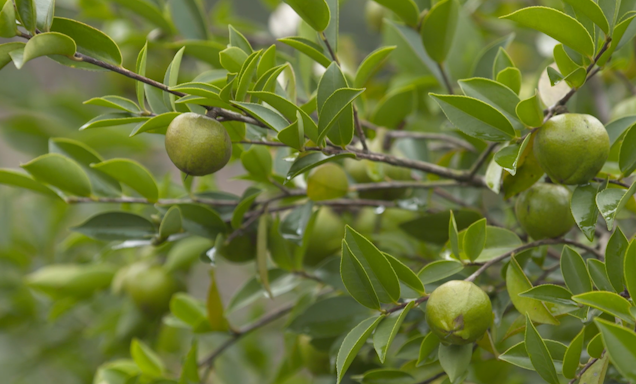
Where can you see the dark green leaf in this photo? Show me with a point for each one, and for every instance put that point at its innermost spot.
(188, 17)
(372, 64)
(60, 172)
(438, 29)
(90, 41)
(608, 302)
(621, 346)
(455, 359)
(133, 174)
(329, 318)
(494, 94)
(352, 344)
(111, 226)
(388, 329)
(539, 354)
(439, 270)
(356, 280)
(315, 13)
(575, 273)
(584, 211)
(406, 275)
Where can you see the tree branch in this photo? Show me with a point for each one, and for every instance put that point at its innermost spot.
(585, 368)
(447, 82)
(482, 159)
(431, 136)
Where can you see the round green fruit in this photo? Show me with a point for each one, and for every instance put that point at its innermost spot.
(198, 145)
(360, 171)
(327, 182)
(325, 238)
(151, 288)
(544, 211)
(459, 312)
(572, 148)
(316, 362)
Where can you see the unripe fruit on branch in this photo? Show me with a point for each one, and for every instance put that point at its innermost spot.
(459, 312)
(150, 288)
(327, 182)
(198, 145)
(572, 148)
(544, 211)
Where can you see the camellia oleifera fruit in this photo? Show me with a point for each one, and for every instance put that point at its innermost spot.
(544, 211)
(459, 312)
(151, 288)
(198, 145)
(572, 148)
(359, 170)
(327, 182)
(326, 237)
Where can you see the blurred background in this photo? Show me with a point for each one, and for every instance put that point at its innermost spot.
(42, 341)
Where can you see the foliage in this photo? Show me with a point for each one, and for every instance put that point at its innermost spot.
(376, 174)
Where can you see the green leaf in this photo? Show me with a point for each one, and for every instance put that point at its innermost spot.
(269, 80)
(8, 26)
(620, 37)
(336, 106)
(517, 354)
(439, 270)
(502, 62)
(455, 359)
(388, 329)
(291, 112)
(621, 346)
(201, 220)
(407, 10)
(598, 272)
(71, 281)
(90, 42)
(261, 254)
(356, 280)
(511, 78)
(627, 157)
(190, 368)
(244, 205)
(484, 64)
(494, 94)
(190, 311)
(155, 100)
(577, 78)
(372, 63)
(554, 75)
(188, 17)
(529, 171)
(539, 354)
(294, 135)
(564, 62)
(313, 160)
(232, 59)
(611, 201)
(429, 345)
(198, 89)
(382, 276)
(316, 13)
(550, 293)
(110, 226)
(44, 44)
(628, 267)
(44, 9)
(280, 282)
(146, 359)
(133, 174)
(475, 118)
(516, 283)
(557, 25)
(575, 273)
(573, 355)
(509, 157)
(214, 305)
(171, 223)
(394, 107)
(59, 172)
(171, 78)
(27, 14)
(475, 239)
(386, 376)
(156, 124)
(530, 111)
(406, 275)
(238, 40)
(596, 373)
(591, 10)
(149, 11)
(267, 62)
(329, 318)
(185, 252)
(22, 180)
(5, 52)
(352, 344)
(615, 252)
(258, 162)
(113, 119)
(438, 29)
(116, 102)
(608, 302)
(595, 347)
(309, 48)
(246, 74)
(265, 114)
(584, 211)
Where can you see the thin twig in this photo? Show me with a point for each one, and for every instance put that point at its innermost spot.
(407, 184)
(628, 83)
(431, 136)
(482, 159)
(430, 380)
(139, 200)
(616, 182)
(447, 82)
(583, 370)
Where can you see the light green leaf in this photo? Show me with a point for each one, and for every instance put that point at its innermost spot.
(44, 44)
(316, 13)
(557, 25)
(280, 282)
(598, 272)
(214, 305)
(388, 329)
(356, 280)
(133, 174)
(439, 270)
(621, 346)
(258, 162)
(539, 354)
(406, 275)
(267, 62)
(502, 62)
(238, 40)
(6, 49)
(110, 226)
(475, 239)
(244, 205)
(550, 293)
(596, 373)
(189, 18)
(608, 302)
(372, 63)
(615, 252)
(232, 59)
(494, 94)
(8, 26)
(146, 359)
(475, 118)
(114, 119)
(171, 78)
(429, 345)
(90, 41)
(584, 211)
(511, 78)
(455, 359)
(171, 223)
(71, 281)
(294, 135)
(564, 62)
(22, 180)
(116, 102)
(628, 267)
(509, 157)
(59, 172)
(530, 111)
(438, 29)
(516, 283)
(265, 114)
(246, 74)
(44, 9)
(149, 11)
(590, 9)
(595, 347)
(407, 10)
(201, 220)
(611, 201)
(198, 89)
(352, 344)
(27, 14)
(156, 124)
(573, 355)
(190, 311)
(575, 273)
(190, 368)
(290, 111)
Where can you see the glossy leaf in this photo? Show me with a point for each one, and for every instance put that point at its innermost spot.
(201, 220)
(246, 74)
(156, 124)
(133, 174)
(590, 9)
(111, 226)
(267, 115)
(429, 345)
(598, 272)
(475, 118)
(584, 210)
(59, 172)
(352, 344)
(27, 14)
(575, 273)
(573, 355)
(116, 102)
(439, 270)
(550, 293)
(438, 29)
(335, 106)
(557, 25)
(90, 41)
(539, 354)
(608, 302)
(387, 330)
(621, 346)
(315, 13)
(372, 64)
(309, 48)
(356, 280)
(611, 201)
(530, 112)
(509, 157)
(615, 259)
(511, 78)
(496, 95)
(517, 283)
(628, 266)
(44, 44)
(475, 239)
(455, 359)
(406, 275)
(188, 17)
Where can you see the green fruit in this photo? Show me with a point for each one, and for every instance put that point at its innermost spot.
(572, 148)
(198, 145)
(315, 361)
(325, 238)
(327, 182)
(241, 249)
(544, 211)
(151, 288)
(360, 172)
(459, 312)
